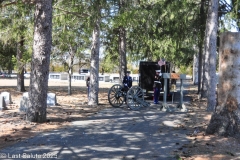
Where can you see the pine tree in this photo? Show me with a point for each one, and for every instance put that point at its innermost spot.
(38, 88)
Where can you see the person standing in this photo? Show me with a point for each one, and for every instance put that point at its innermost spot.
(127, 82)
(157, 86)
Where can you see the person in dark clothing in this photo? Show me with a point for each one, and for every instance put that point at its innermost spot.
(157, 86)
(127, 82)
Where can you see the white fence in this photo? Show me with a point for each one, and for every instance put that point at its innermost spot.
(76, 77)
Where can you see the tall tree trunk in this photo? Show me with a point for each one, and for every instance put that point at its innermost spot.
(122, 44)
(94, 69)
(70, 81)
(205, 57)
(210, 54)
(200, 45)
(40, 61)
(20, 65)
(204, 85)
(122, 53)
(225, 120)
(195, 69)
(70, 69)
(200, 66)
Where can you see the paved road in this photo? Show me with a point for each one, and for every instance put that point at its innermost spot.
(111, 134)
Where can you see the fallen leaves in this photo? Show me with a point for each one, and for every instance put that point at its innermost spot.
(202, 146)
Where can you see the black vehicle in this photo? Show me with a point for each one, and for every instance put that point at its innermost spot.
(147, 71)
(83, 71)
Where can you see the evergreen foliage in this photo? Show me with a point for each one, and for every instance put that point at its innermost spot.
(7, 51)
(155, 29)
(16, 25)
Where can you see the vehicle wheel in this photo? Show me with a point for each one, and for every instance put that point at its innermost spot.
(116, 95)
(135, 98)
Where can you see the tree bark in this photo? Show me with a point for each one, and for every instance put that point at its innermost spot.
(122, 53)
(200, 67)
(38, 88)
(94, 69)
(122, 44)
(70, 69)
(195, 69)
(209, 76)
(204, 81)
(212, 51)
(225, 120)
(200, 45)
(20, 65)
(70, 81)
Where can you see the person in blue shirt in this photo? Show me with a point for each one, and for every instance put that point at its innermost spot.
(127, 82)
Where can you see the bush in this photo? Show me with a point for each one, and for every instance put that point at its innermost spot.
(186, 70)
(57, 68)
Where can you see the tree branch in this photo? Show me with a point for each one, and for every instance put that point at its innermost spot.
(15, 2)
(7, 4)
(74, 13)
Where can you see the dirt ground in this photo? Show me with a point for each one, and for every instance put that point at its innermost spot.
(13, 127)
